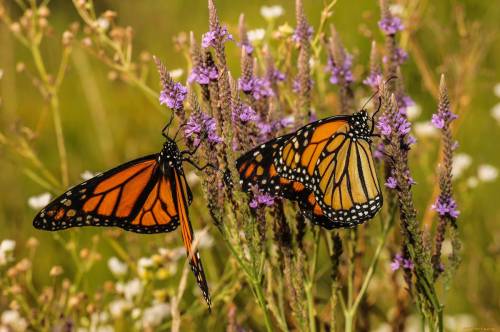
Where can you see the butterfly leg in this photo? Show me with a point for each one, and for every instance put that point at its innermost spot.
(198, 167)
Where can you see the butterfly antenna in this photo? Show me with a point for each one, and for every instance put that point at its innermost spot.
(167, 126)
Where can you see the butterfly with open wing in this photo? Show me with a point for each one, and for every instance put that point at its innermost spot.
(326, 166)
(145, 195)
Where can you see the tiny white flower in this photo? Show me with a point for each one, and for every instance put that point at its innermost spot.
(496, 90)
(271, 12)
(136, 313)
(472, 182)
(396, 9)
(39, 201)
(413, 111)
(192, 178)
(206, 240)
(425, 129)
(13, 320)
(446, 248)
(130, 289)
(154, 315)
(7, 245)
(87, 175)
(487, 173)
(117, 308)
(172, 254)
(176, 73)
(103, 23)
(461, 161)
(460, 322)
(256, 35)
(143, 264)
(1, 74)
(312, 62)
(495, 112)
(117, 267)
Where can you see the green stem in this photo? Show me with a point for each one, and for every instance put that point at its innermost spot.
(262, 302)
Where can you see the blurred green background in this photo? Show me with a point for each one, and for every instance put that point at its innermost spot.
(445, 33)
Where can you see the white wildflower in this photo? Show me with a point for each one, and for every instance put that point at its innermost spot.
(413, 111)
(256, 35)
(487, 173)
(192, 178)
(425, 129)
(130, 289)
(117, 267)
(154, 315)
(1, 74)
(495, 112)
(447, 248)
(13, 320)
(461, 322)
(206, 240)
(118, 308)
(172, 254)
(176, 73)
(396, 9)
(6, 248)
(143, 264)
(39, 201)
(103, 23)
(472, 182)
(87, 175)
(496, 90)
(461, 161)
(136, 313)
(271, 12)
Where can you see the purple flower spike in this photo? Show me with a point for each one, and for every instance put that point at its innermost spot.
(211, 37)
(373, 80)
(174, 96)
(399, 57)
(259, 88)
(391, 183)
(439, 119)
(200, 126)
(340, 72)
(261, 200)
(447, 207)
(390, 25)
(244, 113)
(298, 34)
(203, 75)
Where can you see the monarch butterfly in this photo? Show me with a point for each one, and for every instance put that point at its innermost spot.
(326, 166)
(145, 195)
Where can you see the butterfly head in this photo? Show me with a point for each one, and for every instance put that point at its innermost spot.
(359, 125)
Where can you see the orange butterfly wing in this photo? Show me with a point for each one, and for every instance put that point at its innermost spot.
(134, 196)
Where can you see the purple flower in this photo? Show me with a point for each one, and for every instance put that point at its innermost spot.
(390, 25)
(339, 72)
(244, 114)
(210, 38)
(446, 206)
(391, 182)
(173, 96)
(267, 128)
(201, 125)
(247, 46)
(296, 84)
(379, 152)
(298, 34)
(278, 76)
(384, 126)
(408, 264)
(399, 56)
(439, 119)
(399, 124)
(203, 74)
(410, 140)
(261, 199)
(396, 262)
(258, 87)
(373, 80)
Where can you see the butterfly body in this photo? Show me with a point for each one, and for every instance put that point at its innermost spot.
(326, 166)
(146, 195)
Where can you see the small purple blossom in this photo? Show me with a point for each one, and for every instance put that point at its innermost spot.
(267, 128)
(244, 113)
(446, 207)
(400, 262)
(439, 119)
(173, 96)
(391, 183)
(400, 125)
(247, 46)
(201, 125)
(399, 56)
(210, 38)
(296, 84)
(298, 34)
(391, 25)
(404, 102)
(278, 75)
(258, 87)
(261, 200)
(203, 74)
(342, 72)
(373, 80)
